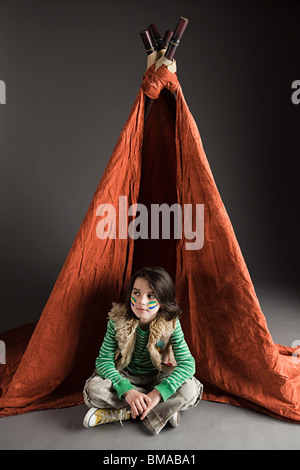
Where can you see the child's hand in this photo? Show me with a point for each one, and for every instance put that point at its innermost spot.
(137, 401)
(155, 397)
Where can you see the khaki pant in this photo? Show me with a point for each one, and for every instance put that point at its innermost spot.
(99, 393)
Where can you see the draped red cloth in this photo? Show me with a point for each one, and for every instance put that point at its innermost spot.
(162, 161)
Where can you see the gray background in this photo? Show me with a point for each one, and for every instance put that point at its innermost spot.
(72, 70)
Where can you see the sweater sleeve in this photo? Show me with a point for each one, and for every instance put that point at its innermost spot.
(105, 363)
(185, 368)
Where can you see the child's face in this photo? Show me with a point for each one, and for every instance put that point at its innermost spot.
(143, 302)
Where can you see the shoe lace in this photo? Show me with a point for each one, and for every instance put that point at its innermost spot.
(123, 414)
(111, 415)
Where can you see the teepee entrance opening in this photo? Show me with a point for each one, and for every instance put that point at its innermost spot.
(158, 187)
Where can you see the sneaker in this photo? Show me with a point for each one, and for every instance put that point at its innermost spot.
(175, 419)
(97, 416)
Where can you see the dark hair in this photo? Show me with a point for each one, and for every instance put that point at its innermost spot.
(163, 288)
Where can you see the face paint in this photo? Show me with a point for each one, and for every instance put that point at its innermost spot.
(152, 304)
(143, 303)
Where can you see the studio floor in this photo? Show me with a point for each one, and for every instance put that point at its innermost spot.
(209, 426)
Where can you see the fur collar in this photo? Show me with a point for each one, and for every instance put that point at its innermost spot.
(160, 329)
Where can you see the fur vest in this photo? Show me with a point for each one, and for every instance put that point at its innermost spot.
(159, 345)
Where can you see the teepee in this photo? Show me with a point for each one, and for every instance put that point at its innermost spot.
(157, 160)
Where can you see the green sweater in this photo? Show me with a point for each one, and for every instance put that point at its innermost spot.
(141, 363)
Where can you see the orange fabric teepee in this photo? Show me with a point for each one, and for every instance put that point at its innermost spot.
(162, 161)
